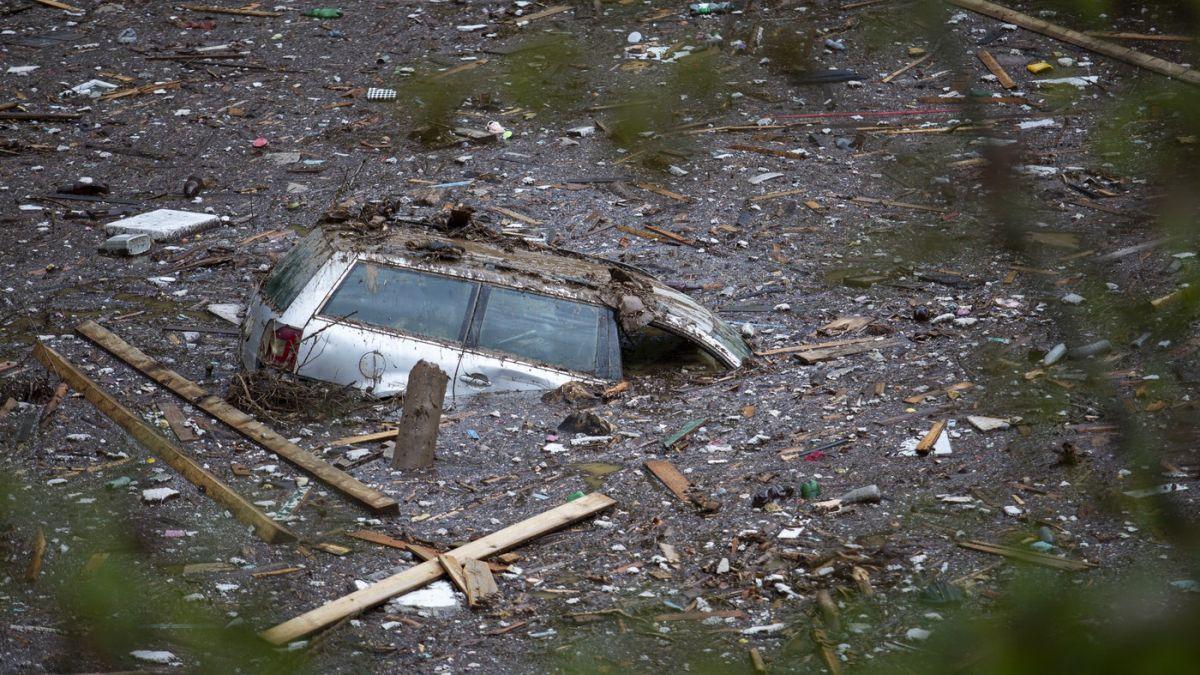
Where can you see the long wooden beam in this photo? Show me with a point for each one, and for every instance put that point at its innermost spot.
(1116, 51)
(243, 423)
(269, 530)
(416, 577)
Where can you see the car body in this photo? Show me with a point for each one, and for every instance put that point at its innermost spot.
(495, 315)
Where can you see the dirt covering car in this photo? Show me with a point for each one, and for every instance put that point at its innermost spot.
(495, 315)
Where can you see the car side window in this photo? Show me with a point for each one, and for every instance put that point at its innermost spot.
(540, 328)
(422, 304)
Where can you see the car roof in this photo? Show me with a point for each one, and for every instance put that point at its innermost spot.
(509, 261)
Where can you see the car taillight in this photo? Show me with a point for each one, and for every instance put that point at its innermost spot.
(279, 345)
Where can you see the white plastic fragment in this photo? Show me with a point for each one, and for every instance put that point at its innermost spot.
(157, 495)
(163, 224)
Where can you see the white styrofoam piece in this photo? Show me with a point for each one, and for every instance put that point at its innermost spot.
(163, 224)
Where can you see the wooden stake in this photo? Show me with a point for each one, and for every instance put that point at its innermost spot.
(243, 423)
(756, 661)
(993, 65)
(417, 440)
(35, 558)
(60, 392)
(269, 530)
(1116, 51)
(905, 69)
(416, 577)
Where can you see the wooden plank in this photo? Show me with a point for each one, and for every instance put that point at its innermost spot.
(60, 392)
(386, 435)
(481, 585)
(1027, 556)
(454, 570)
(660, 190)
(269, 530)
(422, 552)
(777, 195)
(816, 345)
(647, 235)
(60, 5)
(208, 9)
(908, 67)
(416, 577)
(818, 355)
(35, 557)
(993, 65)
(902, 205)
(515, 215)
(931, 437)
(670, 235)
(670, 476)
(1111, 49)
(550, 11)
(177, 422)
(459, 69)
(246, 425)
(1149, 37)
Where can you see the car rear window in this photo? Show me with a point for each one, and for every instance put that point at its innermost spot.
(295, 270)
(540, 328)
(427, 305)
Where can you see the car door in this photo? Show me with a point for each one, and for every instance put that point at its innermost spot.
(520, 340)
(380, 320)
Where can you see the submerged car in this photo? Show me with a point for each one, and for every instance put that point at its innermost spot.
(495, 315)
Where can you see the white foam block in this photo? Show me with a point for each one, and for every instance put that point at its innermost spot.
(163, 224)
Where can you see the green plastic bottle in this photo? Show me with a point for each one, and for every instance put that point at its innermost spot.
(810, 490)
(712, 7)
(324, 13)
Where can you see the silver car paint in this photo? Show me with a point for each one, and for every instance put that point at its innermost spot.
(378, 360)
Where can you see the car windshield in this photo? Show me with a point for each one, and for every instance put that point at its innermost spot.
(541, 328)
(422, 304)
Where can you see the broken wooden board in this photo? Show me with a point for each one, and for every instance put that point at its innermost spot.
(422, 552)
(35, 557)
(239, 11)
(365, 438)
(247, 425)
(269, 530)
(481, 585)
(809, 346)
(670, 476)
(60, 5)
(529, 18)
(996, 69)
(1027, 556)
(416, 577)
(178, 423)
(818, 355)
(454, 570)
(931, 437)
